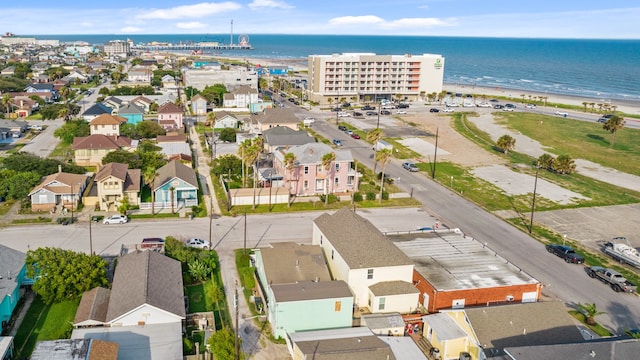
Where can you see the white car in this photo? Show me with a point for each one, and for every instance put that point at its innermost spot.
(485, 105)
(562, 113)
(115, 219)
(198, 243)
(507, 109)
(35, 127)
(447, 110)
(530, 106)
(343, 114)
(401, 112)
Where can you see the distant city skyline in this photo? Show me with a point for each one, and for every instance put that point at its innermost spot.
(587, 19)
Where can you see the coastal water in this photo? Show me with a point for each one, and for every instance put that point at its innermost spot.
(596, 69)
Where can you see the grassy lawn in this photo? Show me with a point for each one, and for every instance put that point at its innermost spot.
(5, 206)
(44, 322)
(597, 328)
(63, 152)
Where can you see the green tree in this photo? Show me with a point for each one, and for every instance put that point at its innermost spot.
(124, 205)
(23, 162)
(228, 134)
(227, 164)
(172, 190)
(6, 104)
(564, 164)
(214, 93)
(104, 91)
(383, 157)
(289, 164)
(72, 129)
(148, 129)
(198, 270)
(590, 311)
(506, 143)
(327, 161)
(612, 125)
(545, 161)
(149, 175)
(222, 344)
(373, 137)
(17, 185)
(150, 155)
(124, 157)
(64, 274)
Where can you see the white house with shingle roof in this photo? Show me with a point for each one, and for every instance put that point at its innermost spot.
(274, 117)
(58, 189)
(378, 273)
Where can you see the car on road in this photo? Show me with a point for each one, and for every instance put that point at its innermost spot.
(401, 112)
(35, 127)
(447, 110)
(385, 112)
(508, 109)
(410, 166)
(403, 106)
(498, 106)
(336, 109)
(565, 252)
(115, 219)
(343, 114)
(434, 110)
(510, 106)
(371, 113)
(337, 142)
(198, 243)
(604, 118)
(357, 113)
(342, 128)
(484, 105)
(355, 136)
(494, 100)
(368, 107)
(346, 105)
(530, 106)
(562, 113)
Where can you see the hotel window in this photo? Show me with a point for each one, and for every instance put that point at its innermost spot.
(306, 169)
(381, 303)
(370, 274)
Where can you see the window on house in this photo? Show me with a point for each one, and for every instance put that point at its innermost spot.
(332, 254)
(337, 167)
(318, 168)
(95, 127)
(370, 274)
(338, 306)
(319, 183)
(381, 303)
(350, 180)
(113, 127)
(336, 181)
(306, 184)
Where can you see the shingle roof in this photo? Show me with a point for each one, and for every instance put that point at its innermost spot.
(290, 262)
(142, 99)
(98, 109)
(67, 179)
(131, 109)
(180, 138)
(11, 262)
(117, 170)
(172, 170)
(395, 287)
(133, 180)
(146, 277)
(169, 108)
(108, 119)
(342, 344)
(245, 89)
(352, 236)
(283, 135)
(277, 116)
(312, 153)
(93, 306)
(99, 141)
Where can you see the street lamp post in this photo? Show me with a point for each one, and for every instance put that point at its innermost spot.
(337, 105)
(533, 202)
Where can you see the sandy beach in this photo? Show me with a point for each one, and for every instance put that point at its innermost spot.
(627, 107)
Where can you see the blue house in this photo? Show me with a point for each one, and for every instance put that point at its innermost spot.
(198, 105)
(132, 112)
(13, 270)
(177, 180)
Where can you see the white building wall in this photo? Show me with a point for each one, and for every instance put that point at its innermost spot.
(404, 304)
(359, 283)
(147, 314)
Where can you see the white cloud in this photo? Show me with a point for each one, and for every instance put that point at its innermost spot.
(191, 11)
(258, 4)
(356, 20)
(191, 25)
(86, 24)
(130, 29)
(419, 22)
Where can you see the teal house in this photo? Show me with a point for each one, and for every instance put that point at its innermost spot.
(178, 182)
(298, 291)
(132, 112)
(13, 271)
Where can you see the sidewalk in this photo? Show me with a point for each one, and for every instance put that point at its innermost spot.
(202, 165)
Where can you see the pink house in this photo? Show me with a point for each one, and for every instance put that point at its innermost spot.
(309, 177)
(170, 113)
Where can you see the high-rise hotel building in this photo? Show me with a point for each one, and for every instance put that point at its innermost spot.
(370, 77)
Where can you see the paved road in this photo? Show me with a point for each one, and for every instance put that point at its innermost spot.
(44, 143)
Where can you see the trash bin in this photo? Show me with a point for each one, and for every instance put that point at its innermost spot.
(435, 352)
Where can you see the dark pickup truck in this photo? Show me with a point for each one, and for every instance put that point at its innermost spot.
(567, 253)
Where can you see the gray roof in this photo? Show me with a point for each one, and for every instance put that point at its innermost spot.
(98, 109)
(146, 277)
(541, 323)
(382, 321)
(289, 262)
(352, 235)
(395, 287)
(277, 116)
(285, 136)
(130, 109)
(76, 349)
(609, 349)
(404, 347)
(453, 261)
(175, 169)
(444, 326)
(342, 344)
(11, 263)
(312, 153)
(310, 290)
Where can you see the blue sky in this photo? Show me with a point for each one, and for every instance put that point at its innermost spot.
(612, 19)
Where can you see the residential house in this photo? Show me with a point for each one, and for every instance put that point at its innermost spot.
(240, 97)
(140, 74)
(96, 110)
(142, 102)
(454, 270)
(283, 137)
(176, 185)
(8, 71)
(225, 119)
(132, 112)
(144, 310)
(298, 289)
(13, 271)
(75, 349)
(106, 124)
(169, 83)
(447, 332)
(348, 343)
(116, 181)
(24, 107)
(113, 102)
(89, 150)
(198, 105)
(175, 147)
(381, 277)
(64, 189)
(14, 125)
(76, 77)
(170, 116)
(610, 349)
(275, 117)
(309, 177)
(40, 87)
(386, 324)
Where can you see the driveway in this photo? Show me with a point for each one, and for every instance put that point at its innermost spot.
(44, 143)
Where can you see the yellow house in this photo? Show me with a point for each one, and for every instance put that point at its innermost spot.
(89, 150)
(451, 335)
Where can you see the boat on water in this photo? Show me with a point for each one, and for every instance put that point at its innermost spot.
(620, 250)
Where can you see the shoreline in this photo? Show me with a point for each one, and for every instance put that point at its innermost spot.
(629, 107)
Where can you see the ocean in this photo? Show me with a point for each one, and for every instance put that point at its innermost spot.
(596, 69)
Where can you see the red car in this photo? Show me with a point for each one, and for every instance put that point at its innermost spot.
(355, 136)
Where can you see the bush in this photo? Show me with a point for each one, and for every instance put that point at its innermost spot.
(371, 195)
(357, 196)
(187, 346)
(332, 198)
(385, 195)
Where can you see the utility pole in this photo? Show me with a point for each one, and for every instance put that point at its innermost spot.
(435, 156)
(533, 202)
(237, 348)
(245, 234)
(90, 236)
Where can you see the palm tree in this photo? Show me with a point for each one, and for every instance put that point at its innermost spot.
(289, 164)
(374, 136)
(506, 143)
(545, 161)
(254, 152)
(149, 177)
(243, 151)
(383, 157)
(590, 311)
(6, 103)
(612, 125)
(172, 190)
(327, 160)
(585, 103)
(330, 101)
(564, 164)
